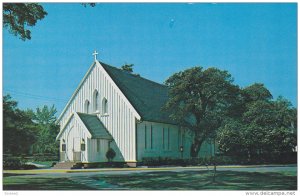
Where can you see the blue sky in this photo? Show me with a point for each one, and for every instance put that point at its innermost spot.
(254, 42)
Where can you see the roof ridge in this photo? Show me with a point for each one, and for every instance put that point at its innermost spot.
(126, 72)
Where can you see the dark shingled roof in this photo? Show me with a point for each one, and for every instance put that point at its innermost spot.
(95, 126)
(146, 96)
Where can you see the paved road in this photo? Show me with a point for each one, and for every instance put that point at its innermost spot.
(243, 169)
(91, 172)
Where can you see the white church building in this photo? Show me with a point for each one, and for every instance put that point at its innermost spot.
(113, 108)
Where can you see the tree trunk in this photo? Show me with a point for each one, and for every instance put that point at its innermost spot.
(195, 147)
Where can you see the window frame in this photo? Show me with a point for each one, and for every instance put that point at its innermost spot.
(104, 106)
(98, 145)
(87, 106)
(96, 100)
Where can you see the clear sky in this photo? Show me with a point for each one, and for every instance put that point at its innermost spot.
(254, 42)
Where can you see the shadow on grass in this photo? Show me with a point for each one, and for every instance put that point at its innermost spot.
(168, 180)
(38, 183)
(11, 174)
(202, 180)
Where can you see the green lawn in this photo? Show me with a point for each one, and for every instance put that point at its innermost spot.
(163, 180)
(21, 182)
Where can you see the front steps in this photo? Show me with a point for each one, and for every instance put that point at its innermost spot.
(67, 165)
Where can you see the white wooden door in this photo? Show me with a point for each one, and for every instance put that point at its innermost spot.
(76, 147)
(76, 144)
(69, 143)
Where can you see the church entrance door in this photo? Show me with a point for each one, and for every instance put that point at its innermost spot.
(76, 148)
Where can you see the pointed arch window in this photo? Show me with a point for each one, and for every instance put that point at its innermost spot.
(96, 100)
(87, 107)
(104, 106)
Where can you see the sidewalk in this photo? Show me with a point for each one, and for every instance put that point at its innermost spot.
(41, 171)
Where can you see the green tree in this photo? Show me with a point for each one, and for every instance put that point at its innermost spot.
(256, 92)
(18, 16)
(45, 115)
(19, 131)
(200, 100)
(28, 131)
(266, 130)
(229, 138)
(47, 129)
(90, 4)
(128, 67)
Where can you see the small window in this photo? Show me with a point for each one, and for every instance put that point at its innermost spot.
(151, 137)
(87, 107)
(98, 145)
(145, 136)
(96, 101)
(178, 137)
(163, 138)
(63, 147)
(168, 138)
(104, 106)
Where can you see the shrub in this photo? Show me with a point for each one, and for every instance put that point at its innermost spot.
(104, 165)
(110, 154)
(159, 161)
(13, 163)
(28, 167)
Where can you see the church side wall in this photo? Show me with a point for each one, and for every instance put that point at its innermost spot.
(161, 140)
(164, 140)
(120, 119)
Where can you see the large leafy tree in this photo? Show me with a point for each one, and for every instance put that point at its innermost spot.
(19, 131)
(17, 17)
(266, 129)
(199, 100)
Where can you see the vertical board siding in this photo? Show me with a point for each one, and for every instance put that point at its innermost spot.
(98, 156)
(165, 141)
(120, 121)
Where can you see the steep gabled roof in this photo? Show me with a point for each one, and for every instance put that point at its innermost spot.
(146, 96)
(94, 126)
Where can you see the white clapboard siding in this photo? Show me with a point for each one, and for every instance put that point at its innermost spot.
(120, 120)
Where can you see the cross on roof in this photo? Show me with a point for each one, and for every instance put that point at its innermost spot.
(95, 54)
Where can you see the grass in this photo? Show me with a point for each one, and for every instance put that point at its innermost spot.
(163, 180)
(225, 180)
(41, 183)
